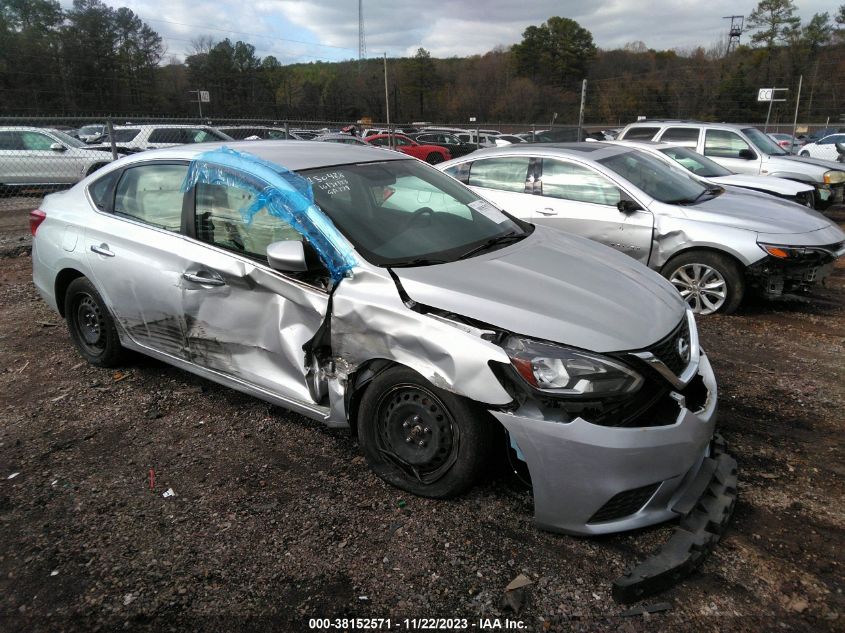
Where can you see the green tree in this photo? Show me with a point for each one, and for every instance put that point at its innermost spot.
(558, 52)
(773, 21)
(817, 33)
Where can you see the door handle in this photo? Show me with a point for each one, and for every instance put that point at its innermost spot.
(206, 278)
(547, 211)
(102, 249)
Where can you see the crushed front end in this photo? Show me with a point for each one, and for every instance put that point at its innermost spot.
(790, 269)
(633, 460)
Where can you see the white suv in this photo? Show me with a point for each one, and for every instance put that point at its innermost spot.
(135, 138)
(745, 150)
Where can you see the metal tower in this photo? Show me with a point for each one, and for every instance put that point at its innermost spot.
(737, 22)
(362, 47)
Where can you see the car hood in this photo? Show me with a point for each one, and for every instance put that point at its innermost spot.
(557, 287)
(753, 211)
(780, 186)
(809, 165)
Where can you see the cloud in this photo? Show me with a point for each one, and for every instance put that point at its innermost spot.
(328, 29)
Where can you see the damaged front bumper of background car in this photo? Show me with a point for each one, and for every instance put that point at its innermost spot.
(788, 269)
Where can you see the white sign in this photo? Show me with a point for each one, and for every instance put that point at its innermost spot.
(472, 119)
(204, 96)
(765, 94)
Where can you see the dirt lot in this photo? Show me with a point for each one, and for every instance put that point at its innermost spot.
(277, 520)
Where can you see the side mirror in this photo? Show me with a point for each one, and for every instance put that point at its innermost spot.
(287, 256)
(57, 147)
(628, 206)
(747, 154)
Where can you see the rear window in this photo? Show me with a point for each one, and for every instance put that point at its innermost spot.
(641, 133)
(124, 136)
(101, 191)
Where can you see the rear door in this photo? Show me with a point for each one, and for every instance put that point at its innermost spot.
(730, 150)
(136, 253)
(579, 199)
(504, 180)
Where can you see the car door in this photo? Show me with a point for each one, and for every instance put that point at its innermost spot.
(577, 198)
(16, 168)
(136, 252)
(46, 165)
(242, 318)
(505, 181)
(730, 150)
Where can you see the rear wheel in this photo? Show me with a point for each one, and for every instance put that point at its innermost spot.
(91, 326)
(709, 282)
(434, 158)
(805, 154)
(420, 438)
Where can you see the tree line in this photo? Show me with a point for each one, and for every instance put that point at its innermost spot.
(94, 60)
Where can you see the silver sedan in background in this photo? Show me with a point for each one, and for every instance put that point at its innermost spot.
(710, 242)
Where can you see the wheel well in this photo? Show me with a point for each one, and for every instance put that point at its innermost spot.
(357, 385)
(63, 280)
(741, 267)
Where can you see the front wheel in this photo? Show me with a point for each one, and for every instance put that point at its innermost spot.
(434, 158)
(805, 154)
(709, 282)
(422, 439)
(91, 326)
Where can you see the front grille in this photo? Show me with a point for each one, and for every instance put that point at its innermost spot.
(624, 503)
(667, 349)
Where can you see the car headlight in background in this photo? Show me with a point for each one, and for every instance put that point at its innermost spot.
(568, 372)
(834, 177)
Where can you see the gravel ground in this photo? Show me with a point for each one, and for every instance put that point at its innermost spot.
(277, 520)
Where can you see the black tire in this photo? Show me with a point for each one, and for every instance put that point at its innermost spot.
(91, 325)
(805, 154)
(700, 296)
(452, 438)
(434, 158)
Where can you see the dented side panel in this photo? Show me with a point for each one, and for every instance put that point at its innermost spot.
(370, 321)
(674, 235)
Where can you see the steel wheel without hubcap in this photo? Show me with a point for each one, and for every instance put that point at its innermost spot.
(415, 431)
(701, 286)
(90, 324)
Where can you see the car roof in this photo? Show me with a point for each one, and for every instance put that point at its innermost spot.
(681, 122)
(587, 151)
(293, 155)
(172, 125)
(26, 128)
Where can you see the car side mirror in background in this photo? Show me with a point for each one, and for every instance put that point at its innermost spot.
(287, 256)
(628, 206)
(747, 154)
(57, 147)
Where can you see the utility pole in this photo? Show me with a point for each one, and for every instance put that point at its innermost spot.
(387, 104)
(581, 112)
(795, 119)
(362, 46)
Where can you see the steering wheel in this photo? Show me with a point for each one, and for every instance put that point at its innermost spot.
(416, 215)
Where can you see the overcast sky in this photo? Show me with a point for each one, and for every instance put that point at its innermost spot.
(308, 30)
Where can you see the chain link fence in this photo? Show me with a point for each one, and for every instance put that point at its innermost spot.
(43, 154)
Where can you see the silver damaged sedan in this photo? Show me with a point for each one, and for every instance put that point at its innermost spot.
(363, 288)
(711, 242)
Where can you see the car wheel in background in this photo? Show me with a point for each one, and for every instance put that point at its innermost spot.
(434, 158)
(91, 325)
(709, 282)
(422, 439)
(805, 154)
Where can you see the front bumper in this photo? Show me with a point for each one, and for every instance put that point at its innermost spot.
(578, 468)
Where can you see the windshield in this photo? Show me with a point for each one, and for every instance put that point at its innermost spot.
(695, 162)
(403, 212)
(763, 142)
(651, 175)
(67, 139)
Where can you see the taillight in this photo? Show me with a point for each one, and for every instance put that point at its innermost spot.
(36, 217)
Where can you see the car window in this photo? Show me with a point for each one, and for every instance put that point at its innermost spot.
(833, 138)
(11, 141)
(641, 133)
(220, 220)
(569, 181)
(723, 144)
(401, 142)
(380, 142)
(166, 135)
(695, 162)
(654, 177)
(681, 134)
(449, 138)
(504, 174)
(36, 141)
(198, 135)
(101, 190)
(152, 194)
(124, 136)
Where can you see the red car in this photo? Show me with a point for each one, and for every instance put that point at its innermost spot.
(432, 154)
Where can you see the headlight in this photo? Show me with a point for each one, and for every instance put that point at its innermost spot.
(563, 371)
(833, 177)
(785, 252)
